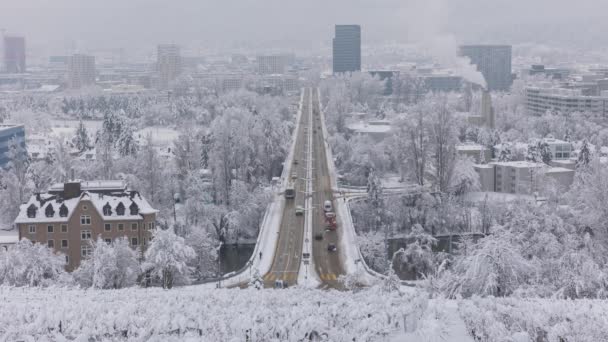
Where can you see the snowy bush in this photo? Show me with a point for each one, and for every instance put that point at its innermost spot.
(110, 266)
(31, 264)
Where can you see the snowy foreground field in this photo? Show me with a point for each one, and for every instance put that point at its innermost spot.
(199, 314)
(202, 314)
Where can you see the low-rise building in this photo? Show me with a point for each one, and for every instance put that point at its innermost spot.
(375, 129)
(560, 150)
(72, 214)
(479, 153)
(521, 177)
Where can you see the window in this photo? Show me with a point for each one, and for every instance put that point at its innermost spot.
(67, 259)
(32, 229)
(107, 209)
(50, 228)
(121, 226)
(84, 207)
(85, 251)
(63, 210)
(51, 243)
(31, 211)
(151, 225)
(49, 211)
(133, 226)
(85, 235)
(133, 209)
(64, 228)
(107, 227)
(134, 241)
(85, 220)
(64, 243)
(120, 209)
(108, 241)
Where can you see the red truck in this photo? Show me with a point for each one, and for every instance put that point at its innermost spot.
(330, 220)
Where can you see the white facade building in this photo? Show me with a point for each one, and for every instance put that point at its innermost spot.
(565, 101)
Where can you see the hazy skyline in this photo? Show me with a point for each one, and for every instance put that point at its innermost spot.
(141, 24)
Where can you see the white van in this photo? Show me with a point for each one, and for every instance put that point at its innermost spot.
(327, 206)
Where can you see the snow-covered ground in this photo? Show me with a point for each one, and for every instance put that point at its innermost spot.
(528, 320)
(199, 314)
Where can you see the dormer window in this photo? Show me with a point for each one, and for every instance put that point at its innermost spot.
(134, 209)
(31, 211)
(107, 209)
(49, 211)
(63, 210)
(120, 209)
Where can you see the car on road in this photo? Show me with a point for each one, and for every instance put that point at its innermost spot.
(294, 176)
(332, 247)
(280, 284)
(299, 211)
(327, 206)
(319, 236)
(295, 162)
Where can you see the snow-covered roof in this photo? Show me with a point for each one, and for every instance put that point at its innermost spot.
(99, 200)
(367, 128)
(559, 170)
(470, 147)
(519, 164)
(9, 236)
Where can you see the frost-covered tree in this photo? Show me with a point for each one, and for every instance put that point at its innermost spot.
(205, 263)
(465, 178)
(110, 266)
(417, 257)
(31, 264)
(167, 258)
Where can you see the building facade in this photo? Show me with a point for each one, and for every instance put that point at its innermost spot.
(8, 133)
(564, 101)
(71, 215)
(81, 71)
(272, 64)
(347, 49)
(14, 55)
(168, 63)
(494, 62)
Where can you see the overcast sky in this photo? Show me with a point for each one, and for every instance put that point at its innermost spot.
(141, 24)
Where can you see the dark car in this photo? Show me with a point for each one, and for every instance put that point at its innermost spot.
(319, 236)
(331, 247)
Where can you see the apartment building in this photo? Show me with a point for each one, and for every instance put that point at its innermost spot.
(346, 48)
(72, 214)
(494, 62)
(168, 63)
(81, 71)
(7, 134)
(565, 101)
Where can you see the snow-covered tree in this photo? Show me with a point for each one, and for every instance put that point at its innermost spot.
(82, 142)
(167, 258)
(110, 266)
(584, 156)
(465, 178)
(417, 257)
(31, 264)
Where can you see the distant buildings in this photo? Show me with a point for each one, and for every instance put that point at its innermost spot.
(81, 71)
(7, 133)
(169, 64)
(72, 214)
(14, 55)
(494, 62)
(347, 49)
(565, 101)
(272, 64)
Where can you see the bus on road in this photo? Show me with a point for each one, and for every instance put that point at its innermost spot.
(290, 191)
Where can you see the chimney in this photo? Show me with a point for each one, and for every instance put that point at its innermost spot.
(72, 174)
(71, 189)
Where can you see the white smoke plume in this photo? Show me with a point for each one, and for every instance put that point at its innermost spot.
(425, 20)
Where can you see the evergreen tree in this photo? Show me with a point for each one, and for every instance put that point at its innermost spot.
(584, 156)
(81, 140)
(545, 152)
